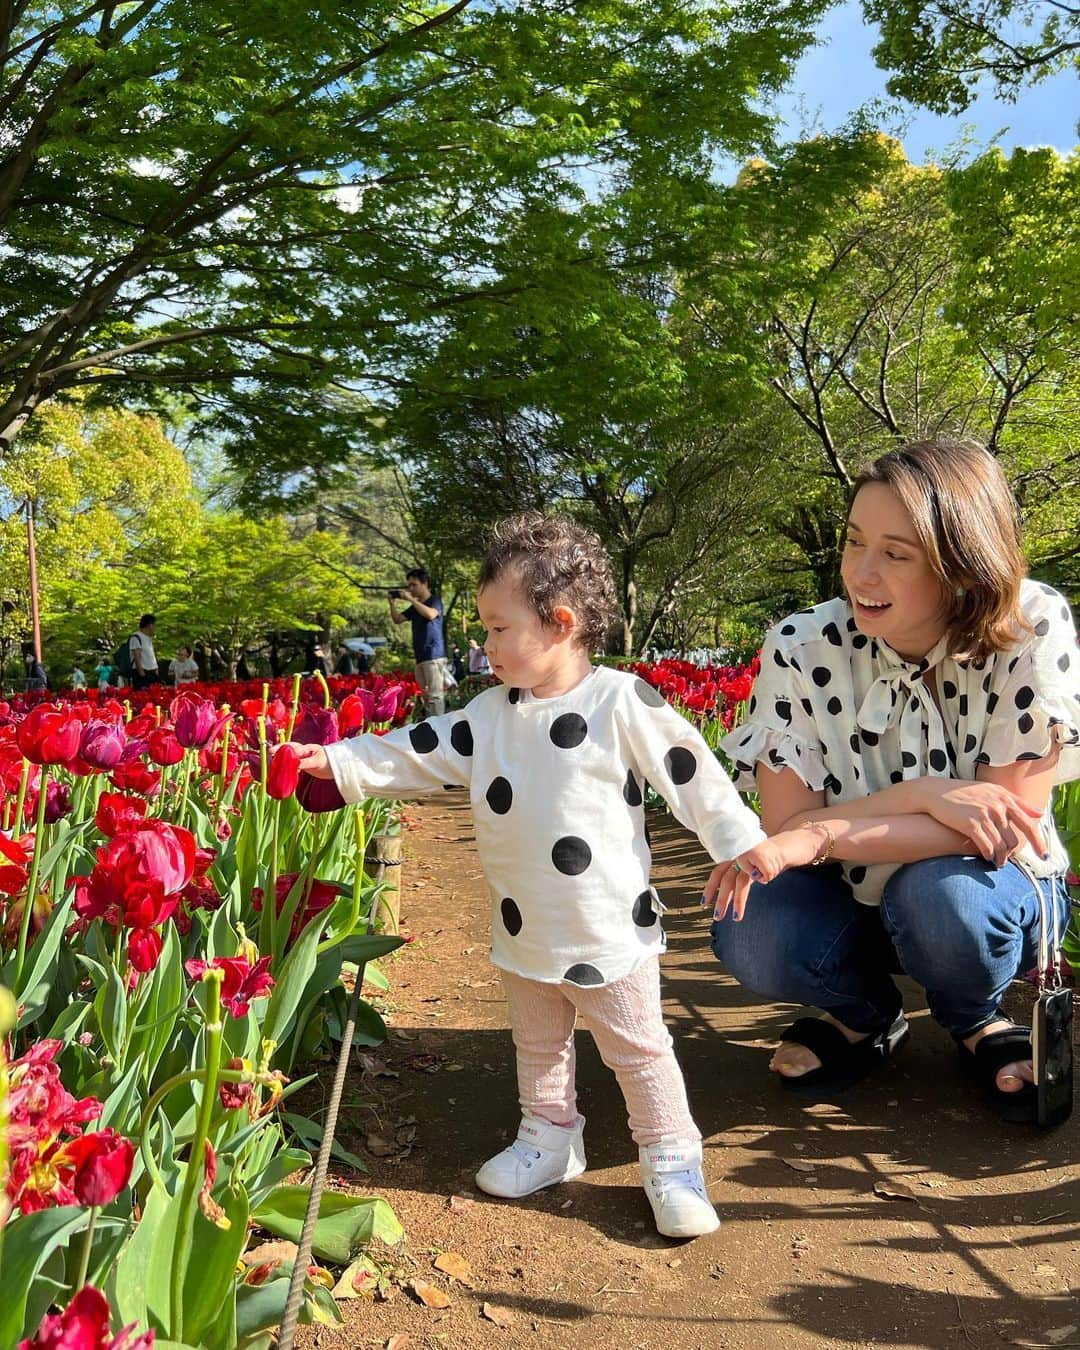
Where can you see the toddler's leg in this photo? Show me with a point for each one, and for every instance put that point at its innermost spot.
(549, 1147)
(627, 1023)
(542, 1024)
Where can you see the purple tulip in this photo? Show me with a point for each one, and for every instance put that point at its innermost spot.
(318, 726)
(195, 720)
(57, 801)
(102, 745)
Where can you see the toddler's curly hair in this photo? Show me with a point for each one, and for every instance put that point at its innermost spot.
(555, 561)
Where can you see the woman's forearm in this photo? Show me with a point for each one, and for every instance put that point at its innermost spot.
(893, 839)
(909, 798)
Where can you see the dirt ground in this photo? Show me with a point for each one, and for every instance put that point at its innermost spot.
(977, 1246)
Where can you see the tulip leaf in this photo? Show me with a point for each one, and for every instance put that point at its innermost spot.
(145, 1265)
(29, 1241)
(310, 1132)
(111, 1011)
(122, 1106)
(37, 976)
(282, 1165)
(345, 1223)
(210, 1283)
(292, 981)
(363, 947)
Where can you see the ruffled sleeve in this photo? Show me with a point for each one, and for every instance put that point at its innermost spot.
(1037, 705)
(779, 729)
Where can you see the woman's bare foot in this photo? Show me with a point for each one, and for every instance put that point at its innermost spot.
(1011, 1077)
(792, 1061)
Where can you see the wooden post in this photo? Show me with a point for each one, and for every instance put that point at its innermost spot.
(386, 849)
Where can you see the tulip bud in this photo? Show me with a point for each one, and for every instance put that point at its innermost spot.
(104, 1167)
(102, 744)
(283, 774)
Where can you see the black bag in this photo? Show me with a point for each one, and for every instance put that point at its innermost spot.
(121, 660)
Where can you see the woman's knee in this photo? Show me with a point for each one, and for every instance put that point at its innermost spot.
(776, 946)
(949, 915)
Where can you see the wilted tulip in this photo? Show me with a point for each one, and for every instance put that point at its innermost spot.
(84, 1325)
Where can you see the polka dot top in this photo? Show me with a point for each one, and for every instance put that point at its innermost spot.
(557, 788)
(849, 715)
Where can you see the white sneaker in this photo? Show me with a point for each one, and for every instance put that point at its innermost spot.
(671, 1171)
(542, 1155)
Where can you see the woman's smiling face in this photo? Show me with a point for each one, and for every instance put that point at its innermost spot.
(895, 593)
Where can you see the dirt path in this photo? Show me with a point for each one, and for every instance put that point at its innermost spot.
(980, 1248)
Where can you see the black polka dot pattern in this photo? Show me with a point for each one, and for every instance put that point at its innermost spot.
(681, 764)
(644, 914)
(424, 738)
(631, 791)
(653, 698)
(568, 731)
(583, 974)
(571, 855)
(826, 683)
(500, 796)
(514, 696)
(461, 737)
(511, 916)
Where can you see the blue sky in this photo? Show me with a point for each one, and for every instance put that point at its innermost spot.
(839, 76)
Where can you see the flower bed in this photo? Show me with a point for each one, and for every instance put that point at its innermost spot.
(155, 1005)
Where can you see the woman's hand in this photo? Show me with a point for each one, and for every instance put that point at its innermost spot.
(313, 760)
(729, 883)
(997, 822)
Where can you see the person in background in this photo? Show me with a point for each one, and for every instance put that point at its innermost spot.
(144, 666)
(78, 679)
(346, 663)
(184, 669)
(457, 665)
(478, 659)
(36, 676)
(103, 673)
(425, 613)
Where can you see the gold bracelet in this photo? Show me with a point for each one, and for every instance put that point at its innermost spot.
(825, 852)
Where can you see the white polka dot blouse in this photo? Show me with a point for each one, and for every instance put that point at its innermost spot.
(557, 789)
(850, 716)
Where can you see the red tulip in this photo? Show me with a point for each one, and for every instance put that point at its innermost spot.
(102, 744)
(144, 949)
(49, 735)
(84, 1325)
(116, 813)
(242, 981)
(135, 776)
(164, 748)
(102, 1163)
(15, 858)
(283, 773)
(357, 712)
(321, 896)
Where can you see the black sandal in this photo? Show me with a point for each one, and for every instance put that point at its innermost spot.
(1010, 1045)
(843, 1063)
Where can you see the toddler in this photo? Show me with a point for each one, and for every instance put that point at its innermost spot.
(556, 759)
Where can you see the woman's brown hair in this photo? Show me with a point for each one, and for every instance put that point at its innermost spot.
(966, 521)
(555, 561)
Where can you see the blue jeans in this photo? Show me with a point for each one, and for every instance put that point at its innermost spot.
(960, 927)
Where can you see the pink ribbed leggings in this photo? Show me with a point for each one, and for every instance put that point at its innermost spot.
(627, 1025)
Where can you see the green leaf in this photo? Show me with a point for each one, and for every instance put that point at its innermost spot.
(29, 1241)
(345, 1223)
(310, 1132)
(111, 1011)
(210, 1284)
(142, 1273)
(40, 968)
(292, 980)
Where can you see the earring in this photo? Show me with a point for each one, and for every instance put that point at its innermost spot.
(958, 592)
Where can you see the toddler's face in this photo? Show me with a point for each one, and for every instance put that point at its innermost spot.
(523, 652)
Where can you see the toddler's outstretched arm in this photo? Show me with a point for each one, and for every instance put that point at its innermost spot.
(729, 882)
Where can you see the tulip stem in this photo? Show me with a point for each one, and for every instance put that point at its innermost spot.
(295, 708)
(31, 885)
(197, 1156)
(88, 1243)
(20, 800)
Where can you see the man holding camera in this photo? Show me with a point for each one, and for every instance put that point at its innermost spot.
(425, 613)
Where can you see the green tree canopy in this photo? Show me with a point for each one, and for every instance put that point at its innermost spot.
(268, 209)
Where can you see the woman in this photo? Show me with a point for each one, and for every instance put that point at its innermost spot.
(919, 725)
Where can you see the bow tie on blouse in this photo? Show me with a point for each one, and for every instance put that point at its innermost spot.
(900, 696)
